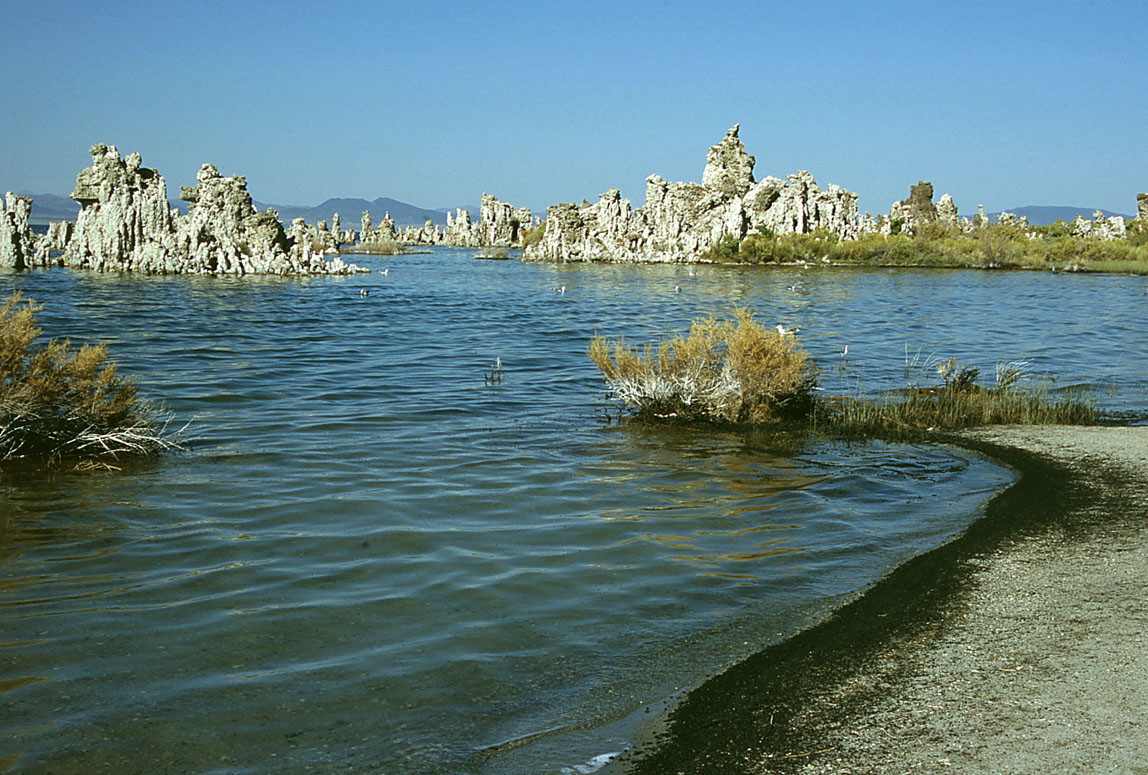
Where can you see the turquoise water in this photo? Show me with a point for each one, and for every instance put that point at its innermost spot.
(372, 561)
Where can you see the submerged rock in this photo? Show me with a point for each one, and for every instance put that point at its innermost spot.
(679, 221)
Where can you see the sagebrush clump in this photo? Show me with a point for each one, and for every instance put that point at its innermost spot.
(721, 371)
(62, 404)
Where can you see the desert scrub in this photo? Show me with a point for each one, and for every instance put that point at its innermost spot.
(728, 371)
(960, 401)
(58, 404)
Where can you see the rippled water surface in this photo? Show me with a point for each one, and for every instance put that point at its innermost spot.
(373, 561)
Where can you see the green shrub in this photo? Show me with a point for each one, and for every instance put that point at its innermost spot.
(759, 248)
(57, 403)
(725, 250)
(722, 371)
(532, 236)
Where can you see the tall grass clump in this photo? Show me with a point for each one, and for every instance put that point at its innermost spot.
(728, 371)
(59, 404)
(960, 401)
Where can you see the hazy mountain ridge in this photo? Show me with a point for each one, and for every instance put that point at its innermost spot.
(47, 208)
(52, 207)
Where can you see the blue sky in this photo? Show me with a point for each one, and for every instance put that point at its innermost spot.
(435, 103)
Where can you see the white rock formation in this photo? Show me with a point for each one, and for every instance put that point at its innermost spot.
(460, 231)
(679, 221)
(17, 242)
(1100, 228)
(125, 225)
(124, 222)
(429, 234)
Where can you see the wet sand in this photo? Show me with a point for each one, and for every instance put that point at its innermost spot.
(1020, 647)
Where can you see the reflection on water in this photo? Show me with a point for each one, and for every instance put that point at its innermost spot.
(371, 560)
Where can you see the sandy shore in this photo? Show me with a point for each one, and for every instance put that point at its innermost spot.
(1021, 647)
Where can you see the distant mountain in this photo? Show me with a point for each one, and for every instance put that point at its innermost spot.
(351, 212)
(1043, 215)
(50, 207)
(47, 208)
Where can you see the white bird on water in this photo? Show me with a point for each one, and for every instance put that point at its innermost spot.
(364, 292)
(783, 331)
(561, 289)
(385, 271)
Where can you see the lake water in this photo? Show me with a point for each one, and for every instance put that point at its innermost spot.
(372, 561)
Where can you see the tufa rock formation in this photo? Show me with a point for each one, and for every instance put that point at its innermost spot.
(125, 225)
(17, 242)
(429, 234)
(1142, 207)
(1100, 228)
(124, 221)
(384, 234)
(679, 221)
(460, 231)
(500, 225)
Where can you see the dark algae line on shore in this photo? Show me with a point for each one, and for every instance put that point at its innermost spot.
(776, 711)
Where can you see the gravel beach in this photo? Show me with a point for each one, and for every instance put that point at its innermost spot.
(1019, 647)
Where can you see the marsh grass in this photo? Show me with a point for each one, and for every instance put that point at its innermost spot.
(996, 246)
(731, 371)
(59, 404)
(375, 248)
(960, 401)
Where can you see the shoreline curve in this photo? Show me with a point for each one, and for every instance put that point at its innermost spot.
(1019, 646)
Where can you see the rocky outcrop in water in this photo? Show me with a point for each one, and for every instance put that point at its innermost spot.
(384, 234)
(125, 224)
(501, 225)
(461, 232)
(679, 221)
(17, 242)
(428, 234)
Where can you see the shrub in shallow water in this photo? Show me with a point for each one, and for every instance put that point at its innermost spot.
(57, 403)
(721, 371)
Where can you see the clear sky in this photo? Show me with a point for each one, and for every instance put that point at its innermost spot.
(1005, 104)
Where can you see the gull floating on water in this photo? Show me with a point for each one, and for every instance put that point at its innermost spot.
(783, 331)
(561, 289)
(385, 271)
(364, 292)
(677, 289)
